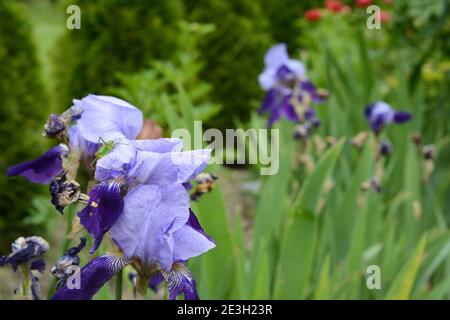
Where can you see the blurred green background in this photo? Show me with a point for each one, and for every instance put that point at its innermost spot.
(307, 232)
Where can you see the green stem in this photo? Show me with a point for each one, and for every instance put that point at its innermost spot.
(69, 216)
(119, 277)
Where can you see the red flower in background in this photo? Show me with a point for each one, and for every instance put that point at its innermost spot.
(334, 5)
(313, 15)
(385, 16)
(363, 3)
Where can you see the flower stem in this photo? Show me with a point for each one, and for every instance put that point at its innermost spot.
(119, 277)
(69, 216)
(142, 287)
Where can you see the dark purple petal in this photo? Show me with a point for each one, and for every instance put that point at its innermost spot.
(103, 209)
(269, 101)
(274, 116)
(379, 122)
(289, 111)
(309, 87)
(195, 224)
(42, 169)
(401, 117)
(180, 281)
(38, 265)
(93, 276)
(155, 280)
(385, 148)
(285, 75)
(368, 110)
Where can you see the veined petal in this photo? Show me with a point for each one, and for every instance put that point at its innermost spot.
(180, 281)
(43, 169)
(93, 276)
(151, 216)
(103, 209)
(109, 118)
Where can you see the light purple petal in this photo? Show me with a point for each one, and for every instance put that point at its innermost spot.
(77, 142)
(117, 163)
(268, 78)
(162, 145)
(150, 217)
(276, 56)
(93, 276)
(108, 118)
(189, 243)
(297, 68)
(166, 168)
(43, 169)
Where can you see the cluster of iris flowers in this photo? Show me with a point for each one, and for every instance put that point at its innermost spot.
(140, 196)
(289, 94)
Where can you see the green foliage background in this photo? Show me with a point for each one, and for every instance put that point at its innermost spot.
(311, 230)
(23, 111)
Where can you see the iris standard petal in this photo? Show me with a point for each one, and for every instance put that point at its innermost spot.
(108, 118)
(167, 168)
(151, 216)
(162, 145)
(117, 163)
(104, 207)
(77, 142)
(43, 169)
(276, 56)
(93, 276)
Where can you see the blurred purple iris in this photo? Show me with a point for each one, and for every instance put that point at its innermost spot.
(380, 114)
(140, 199)
(288, 91)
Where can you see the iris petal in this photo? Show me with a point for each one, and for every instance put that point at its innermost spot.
(108, 118)
(181, 281)
(43, 169)
(93, 276)
(103, 209)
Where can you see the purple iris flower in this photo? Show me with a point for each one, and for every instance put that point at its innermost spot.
(132, 164)
(156, 227)
(43, 169)
(140, 199)
(380, 114)
(287, 88)
(155, 231)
